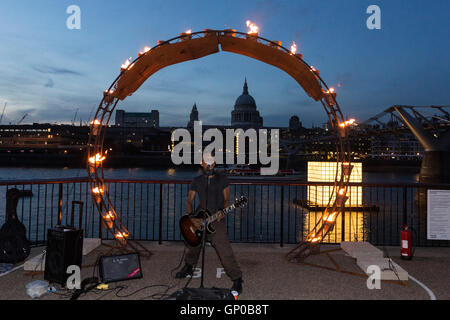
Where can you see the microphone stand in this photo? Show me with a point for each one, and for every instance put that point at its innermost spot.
(203, 254)
(204, 233)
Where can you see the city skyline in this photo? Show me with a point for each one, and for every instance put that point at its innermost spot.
(49, 71)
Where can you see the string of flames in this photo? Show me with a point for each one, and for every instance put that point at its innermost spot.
(252, 29)
(121, 235)
(293, 48)
(98, 158)
(347, 123)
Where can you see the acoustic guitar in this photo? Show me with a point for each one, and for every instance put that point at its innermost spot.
(192, 234)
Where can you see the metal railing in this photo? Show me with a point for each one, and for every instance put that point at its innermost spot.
(277, 212)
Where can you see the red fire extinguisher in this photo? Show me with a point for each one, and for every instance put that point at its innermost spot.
(406, 243)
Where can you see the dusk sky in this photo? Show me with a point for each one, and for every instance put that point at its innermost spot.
(48, 71)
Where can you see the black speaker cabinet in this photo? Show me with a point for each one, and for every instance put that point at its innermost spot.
(64, 248)
(120, 267)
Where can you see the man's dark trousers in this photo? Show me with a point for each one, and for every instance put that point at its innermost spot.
(221, 244)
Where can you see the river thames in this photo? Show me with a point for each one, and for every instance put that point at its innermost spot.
(150, 209)
(33, 173)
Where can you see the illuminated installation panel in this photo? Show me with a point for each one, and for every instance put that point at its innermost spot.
(326, 172)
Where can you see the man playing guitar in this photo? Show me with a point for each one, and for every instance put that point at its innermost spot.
(214, 194)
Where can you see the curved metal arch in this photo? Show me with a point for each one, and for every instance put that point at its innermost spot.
(191, 46)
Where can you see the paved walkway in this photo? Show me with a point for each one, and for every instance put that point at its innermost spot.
(266, 275)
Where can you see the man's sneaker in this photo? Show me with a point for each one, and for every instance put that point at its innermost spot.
(237, 285)
(187, 270)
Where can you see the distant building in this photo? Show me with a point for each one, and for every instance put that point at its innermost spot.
(245, 114)
(396, 146)
(193, 116)
(43, 137)
(295, 124)
(327, 126)
(137, 119)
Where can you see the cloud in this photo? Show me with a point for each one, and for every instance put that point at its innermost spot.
(55, 112)
(175, 87)
(49, 83)
(54, 70)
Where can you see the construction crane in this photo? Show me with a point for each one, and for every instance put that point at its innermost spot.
(24, 116)
(3, 112)
(76, 112)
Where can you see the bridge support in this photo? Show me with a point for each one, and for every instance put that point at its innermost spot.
(435, 167)
(435, 163)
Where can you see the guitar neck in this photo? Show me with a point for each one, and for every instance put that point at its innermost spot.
(225, 211)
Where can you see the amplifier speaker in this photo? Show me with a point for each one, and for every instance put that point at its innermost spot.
(64, 248)
(202, 294)
(120, 267)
